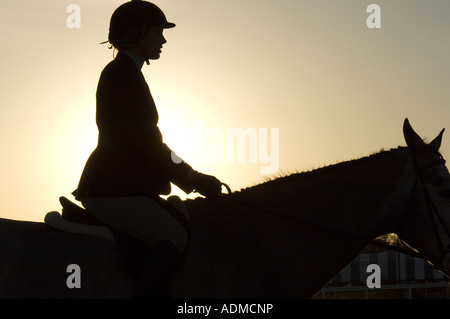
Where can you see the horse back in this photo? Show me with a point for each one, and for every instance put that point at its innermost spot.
(37, 261)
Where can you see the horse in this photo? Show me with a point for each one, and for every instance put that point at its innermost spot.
(284, 238)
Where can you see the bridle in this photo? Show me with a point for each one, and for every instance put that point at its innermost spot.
(440, 262)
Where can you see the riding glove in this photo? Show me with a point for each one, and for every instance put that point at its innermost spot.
(206, 185)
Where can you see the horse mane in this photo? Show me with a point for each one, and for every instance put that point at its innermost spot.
(288, 177)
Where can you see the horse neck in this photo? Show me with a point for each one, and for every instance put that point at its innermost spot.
(363, 198)
(366, 197)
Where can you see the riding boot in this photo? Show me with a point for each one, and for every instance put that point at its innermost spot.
(157, 270)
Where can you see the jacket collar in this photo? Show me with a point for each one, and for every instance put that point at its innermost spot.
(137, 61)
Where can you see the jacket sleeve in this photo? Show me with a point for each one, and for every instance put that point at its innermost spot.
(130, 112)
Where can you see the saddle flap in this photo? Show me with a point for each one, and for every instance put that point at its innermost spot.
(74, 213)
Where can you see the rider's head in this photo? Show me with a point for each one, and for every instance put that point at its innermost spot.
(138, 25)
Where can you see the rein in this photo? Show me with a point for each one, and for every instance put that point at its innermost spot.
(340, 232)
(431, 208)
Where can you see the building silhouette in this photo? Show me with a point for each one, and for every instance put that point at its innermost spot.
(402, 277)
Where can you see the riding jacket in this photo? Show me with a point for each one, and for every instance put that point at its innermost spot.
(130, 158)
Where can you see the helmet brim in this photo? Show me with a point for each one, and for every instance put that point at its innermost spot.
(169, 25)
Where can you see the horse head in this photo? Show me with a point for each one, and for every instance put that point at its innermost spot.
(426, 226)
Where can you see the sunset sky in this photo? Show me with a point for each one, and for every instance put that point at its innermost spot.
(310, 74)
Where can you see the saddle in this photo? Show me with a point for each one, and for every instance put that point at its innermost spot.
(77, 220)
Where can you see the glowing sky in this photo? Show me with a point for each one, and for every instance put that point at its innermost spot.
(312, 70)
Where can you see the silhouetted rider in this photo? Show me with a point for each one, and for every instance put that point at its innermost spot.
(131, 166)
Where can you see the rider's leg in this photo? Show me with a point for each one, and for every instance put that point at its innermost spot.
(157, 271)
(142, 218)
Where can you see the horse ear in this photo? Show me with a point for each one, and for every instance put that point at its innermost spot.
(413, 140)
(436, 143)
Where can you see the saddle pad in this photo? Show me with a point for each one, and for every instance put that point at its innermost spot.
(55, 220)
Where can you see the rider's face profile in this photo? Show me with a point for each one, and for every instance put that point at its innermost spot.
(152, 42)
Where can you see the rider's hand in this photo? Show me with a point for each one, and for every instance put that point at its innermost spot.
(206, 185)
